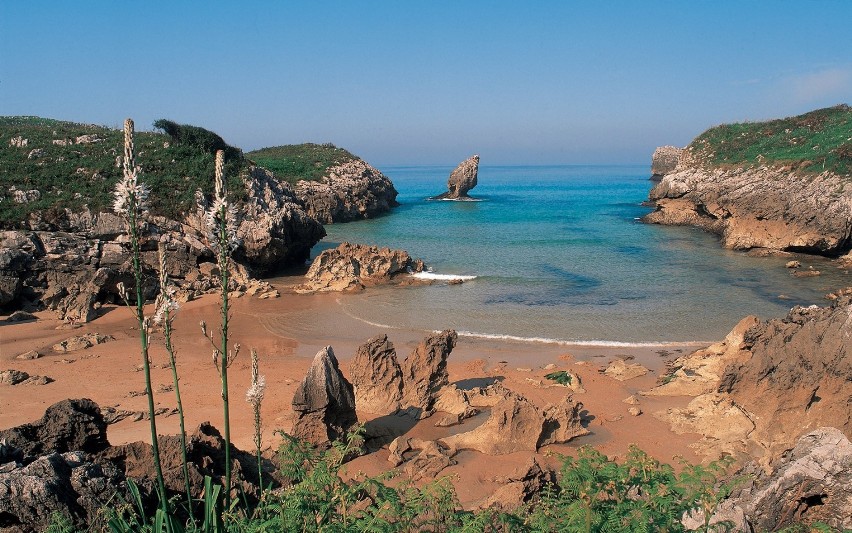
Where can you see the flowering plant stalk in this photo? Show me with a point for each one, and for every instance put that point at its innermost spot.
(130, 202)
(221, 223)
(254, 396)
(166, 309)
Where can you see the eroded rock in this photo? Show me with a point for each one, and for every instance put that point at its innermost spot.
(462, 179)
(376, 376)
(424, 372)
(622, 371)
(324, 403)
(664, 161)
(67, 426)
(352, 267)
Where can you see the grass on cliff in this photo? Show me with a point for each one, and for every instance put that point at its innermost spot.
(294, 162)
(814, 142)
(72, 172)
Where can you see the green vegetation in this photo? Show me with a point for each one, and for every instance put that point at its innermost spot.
(69, 171)
(814, 142)
(294, 162)
(560, 376)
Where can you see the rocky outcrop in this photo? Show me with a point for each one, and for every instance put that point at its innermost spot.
(461, 180)
(376, 376)
(67, 426)
(516, 424)
(811, 483)
(622, 371)
(520, 487)
(781, 379)
(664, 161)
(351, 191)
(72, 263)
(424, 373)
(324, 403)
(761, 207)
(426, 458)
(351, 267)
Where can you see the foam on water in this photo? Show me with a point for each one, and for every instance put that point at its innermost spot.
(441, 277)
(592, 343)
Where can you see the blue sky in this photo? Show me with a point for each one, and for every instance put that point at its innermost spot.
(404, 82)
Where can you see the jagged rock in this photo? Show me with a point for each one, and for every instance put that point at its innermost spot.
(32, 354)
(324, 403)
(520, 487)
(456, 403)
(634, 410)
(622, 371)
(516, 424)
(424, 372)
(664, 160)
(758, 207)
(81, 342)
(355, 266)
(68, 484)
(351, 191)
(462, 179)
(69, 425)
(812, 482)
(376, 376)
(700, 371)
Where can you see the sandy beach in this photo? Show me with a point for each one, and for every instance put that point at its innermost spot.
(287, 332)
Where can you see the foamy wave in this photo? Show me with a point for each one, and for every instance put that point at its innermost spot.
(362, 320)
(593, 343)
(441, 277)
(461, 199)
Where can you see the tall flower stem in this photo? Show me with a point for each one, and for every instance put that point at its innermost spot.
(255, 397)
(166, 316)
(133, 194)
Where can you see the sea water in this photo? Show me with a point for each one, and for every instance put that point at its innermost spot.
(558, 254)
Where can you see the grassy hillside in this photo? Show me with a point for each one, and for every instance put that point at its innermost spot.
(813, 142)
(71, 170)
(296, 162)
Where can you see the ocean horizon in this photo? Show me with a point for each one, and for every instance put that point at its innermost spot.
(557, 254)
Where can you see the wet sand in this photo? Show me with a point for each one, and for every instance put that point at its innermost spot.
(287, 332)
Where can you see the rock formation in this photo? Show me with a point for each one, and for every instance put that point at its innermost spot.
(352, 267)
(461, 180)
(516, 424)
(67, 426)
(376, 376)
(428, 457)
(424, 372)
(783, 378)
(758, 207)
(520, 487)
(351, 191)
(72, 263)
(324, 403)
(664, 161)
(622, 371)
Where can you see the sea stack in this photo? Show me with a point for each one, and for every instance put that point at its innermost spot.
(461, 180)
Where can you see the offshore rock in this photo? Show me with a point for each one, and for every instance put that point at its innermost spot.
(664, 161)
(351, 191)
(324, 403)
(424, 373)
(376, 376)
(351, 267)
(461, 180)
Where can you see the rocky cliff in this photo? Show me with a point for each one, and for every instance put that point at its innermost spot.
(782, 185)
(350, 191)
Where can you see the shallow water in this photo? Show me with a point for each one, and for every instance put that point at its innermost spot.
(559, 255)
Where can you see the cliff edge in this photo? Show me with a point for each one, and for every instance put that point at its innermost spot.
(782, 185)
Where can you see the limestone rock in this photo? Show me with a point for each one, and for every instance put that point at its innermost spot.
(726, 425)
(355, 266)
(665, 160)
(324, 403)
(376, 376)
(81, 342)
(758, 207)
(69, 425)
(700, 371)
(430, 459)
(812, 482)
(351, 191)
(424, 372)
(622, 371)
(462, 179)
(17, 377)
(562, 422)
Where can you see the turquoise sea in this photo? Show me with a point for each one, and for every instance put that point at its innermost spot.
(559, 255)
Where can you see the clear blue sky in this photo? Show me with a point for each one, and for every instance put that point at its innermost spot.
(429, 82)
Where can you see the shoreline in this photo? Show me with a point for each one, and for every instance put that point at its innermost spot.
(287, 332)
